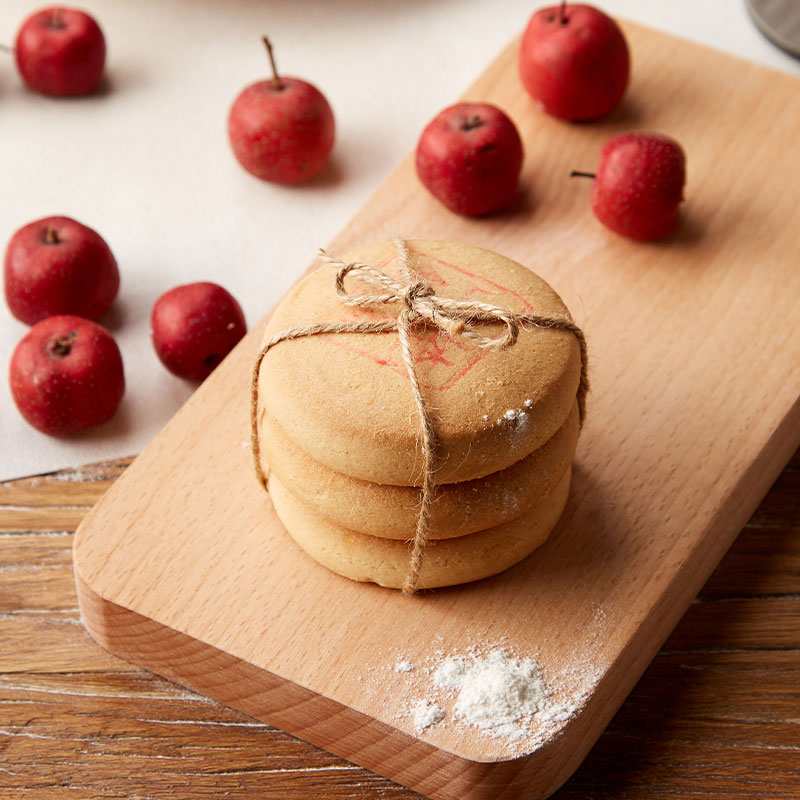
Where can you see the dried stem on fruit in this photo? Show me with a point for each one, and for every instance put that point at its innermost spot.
(277, 83)
(473, 121)
(62, 346)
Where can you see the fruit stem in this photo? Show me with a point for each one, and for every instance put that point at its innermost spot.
(56, 21)
(51, 237)
(62, 346)
(276, 81)
(578, 174)
(471, 122)
(562, 12)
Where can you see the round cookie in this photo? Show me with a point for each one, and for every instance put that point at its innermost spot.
(346, 400)
(391, 511)
(447, 562)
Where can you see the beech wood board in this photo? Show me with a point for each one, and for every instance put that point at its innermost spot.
(694, 344)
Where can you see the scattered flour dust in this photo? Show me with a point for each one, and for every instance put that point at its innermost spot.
(497, 693)
(501, 695)
(424, 714)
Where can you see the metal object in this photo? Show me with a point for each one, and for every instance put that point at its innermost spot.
(779, 21)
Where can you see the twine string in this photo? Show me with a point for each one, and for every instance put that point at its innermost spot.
(420, 305)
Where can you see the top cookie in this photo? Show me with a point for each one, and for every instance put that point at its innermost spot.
(346, 398)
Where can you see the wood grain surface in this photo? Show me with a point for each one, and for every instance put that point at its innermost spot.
(723, 399)
(715, 715)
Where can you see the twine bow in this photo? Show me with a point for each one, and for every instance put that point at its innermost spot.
(420, 305)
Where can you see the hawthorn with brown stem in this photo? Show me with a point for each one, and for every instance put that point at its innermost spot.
(638, 186)
(66, 375)
(56, 265)
(61, 52)
(281, 129)
(574, 61)
(469, 158)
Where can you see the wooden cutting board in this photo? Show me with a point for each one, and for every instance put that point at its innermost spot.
(695, 344)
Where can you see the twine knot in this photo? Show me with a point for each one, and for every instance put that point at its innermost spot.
(465, 319)
(415, 290)
(456, 318)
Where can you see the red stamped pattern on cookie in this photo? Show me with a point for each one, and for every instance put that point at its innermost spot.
(441, 361)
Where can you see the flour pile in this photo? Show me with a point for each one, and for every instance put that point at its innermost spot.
(497, 693)
(493, 691)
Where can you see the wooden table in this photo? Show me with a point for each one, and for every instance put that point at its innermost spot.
(717, 714)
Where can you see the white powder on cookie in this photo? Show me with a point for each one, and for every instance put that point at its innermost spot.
(516, 420)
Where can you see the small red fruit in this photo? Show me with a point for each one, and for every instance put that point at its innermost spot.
(469, 157)
(66, 375)
(61, 51)
(194, 327)
(574, 61)
(55, 266)
(639, 183)
(281, 130)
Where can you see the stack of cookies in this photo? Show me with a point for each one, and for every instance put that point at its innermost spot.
(340, 432)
